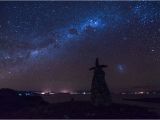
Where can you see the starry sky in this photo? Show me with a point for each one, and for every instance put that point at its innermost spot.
(52, 45)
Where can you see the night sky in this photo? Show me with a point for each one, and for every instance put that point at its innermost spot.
(52, 45)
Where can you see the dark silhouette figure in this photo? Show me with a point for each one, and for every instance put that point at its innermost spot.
(100, 94)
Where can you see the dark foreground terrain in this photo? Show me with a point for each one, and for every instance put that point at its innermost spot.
(15, 105)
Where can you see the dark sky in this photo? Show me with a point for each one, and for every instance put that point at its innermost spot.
(52, 45)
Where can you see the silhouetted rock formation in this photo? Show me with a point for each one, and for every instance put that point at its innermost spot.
(100, 94)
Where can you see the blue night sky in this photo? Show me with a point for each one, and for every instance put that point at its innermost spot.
(52, 45)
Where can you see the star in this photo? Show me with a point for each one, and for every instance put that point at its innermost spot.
(58, 42)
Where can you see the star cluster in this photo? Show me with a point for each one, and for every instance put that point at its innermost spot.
(51, 45)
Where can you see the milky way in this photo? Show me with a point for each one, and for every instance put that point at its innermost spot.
(51, 45)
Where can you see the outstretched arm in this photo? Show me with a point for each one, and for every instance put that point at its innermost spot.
(92, 68)
(103, 65)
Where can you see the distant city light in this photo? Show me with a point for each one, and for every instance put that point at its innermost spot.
(51, 93)
(65, 91)
(19, 94)
(27, 94)
(43, 93)
(140, 92)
